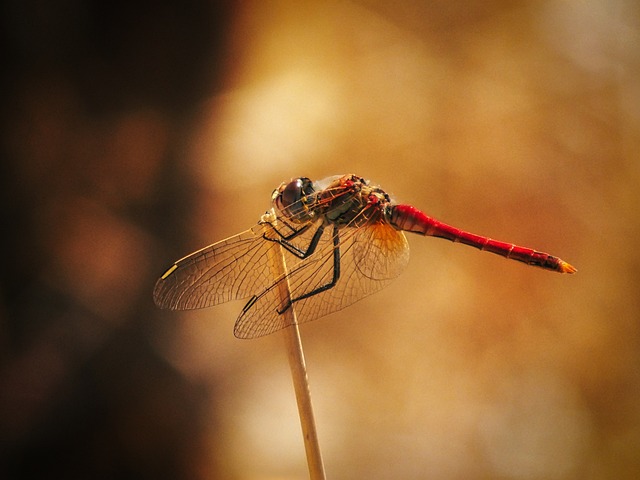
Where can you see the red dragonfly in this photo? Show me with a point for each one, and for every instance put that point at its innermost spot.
(342, 240)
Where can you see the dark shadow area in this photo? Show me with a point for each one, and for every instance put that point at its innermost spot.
(96, 99)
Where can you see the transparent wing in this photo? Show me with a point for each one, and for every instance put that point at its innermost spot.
(231, 269)
(370, 257)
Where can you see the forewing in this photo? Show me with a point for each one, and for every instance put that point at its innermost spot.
(231, 269)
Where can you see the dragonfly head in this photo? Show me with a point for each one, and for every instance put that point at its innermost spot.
(293, 199)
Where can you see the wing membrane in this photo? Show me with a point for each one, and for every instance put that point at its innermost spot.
(371, 255)
(231, 269)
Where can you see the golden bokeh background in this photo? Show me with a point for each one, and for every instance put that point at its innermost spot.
(134, 133)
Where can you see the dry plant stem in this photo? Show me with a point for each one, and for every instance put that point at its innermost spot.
(298, 372)
(303, 397)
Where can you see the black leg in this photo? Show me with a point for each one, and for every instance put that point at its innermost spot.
(294, 231)
(284, 241)
(332, 282)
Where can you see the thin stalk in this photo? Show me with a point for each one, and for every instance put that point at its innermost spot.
(299, 372)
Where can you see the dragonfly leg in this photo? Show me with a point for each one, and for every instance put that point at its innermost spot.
(336, 272)
(294, 231)
(298, 252)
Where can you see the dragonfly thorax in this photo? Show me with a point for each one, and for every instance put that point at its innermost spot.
(351, 201)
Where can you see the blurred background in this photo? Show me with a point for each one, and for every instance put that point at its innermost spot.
(136, 132)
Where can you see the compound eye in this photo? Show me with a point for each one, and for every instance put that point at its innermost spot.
(291, 193)
(290, 198)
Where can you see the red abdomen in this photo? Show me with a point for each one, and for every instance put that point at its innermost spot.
(410, 219)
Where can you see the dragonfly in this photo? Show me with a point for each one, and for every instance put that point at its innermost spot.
(341, 239)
